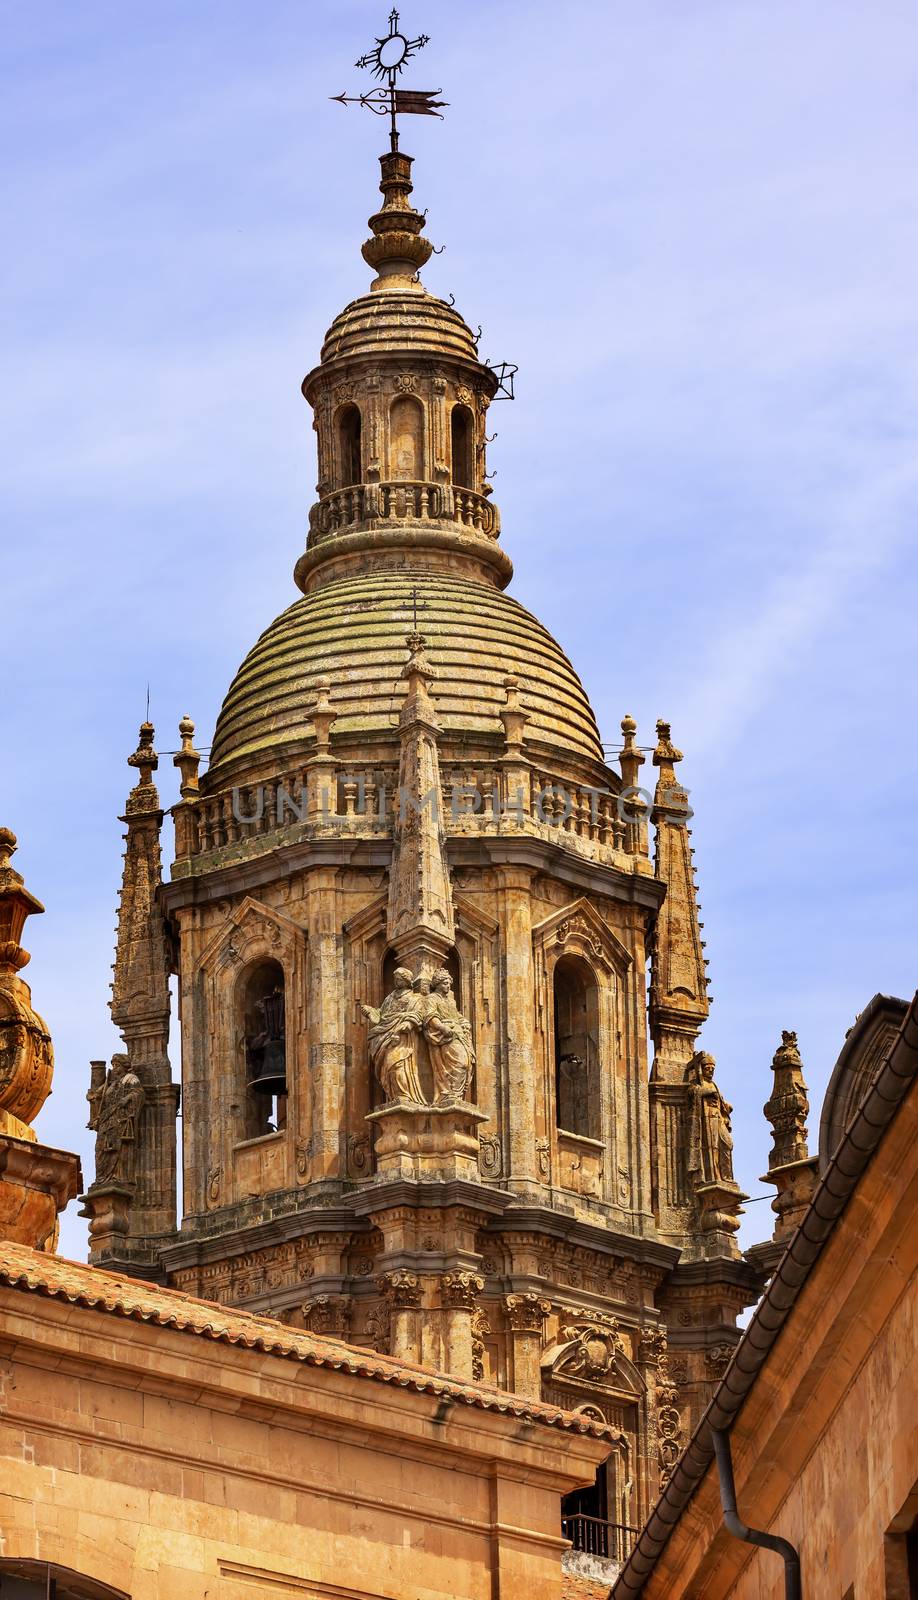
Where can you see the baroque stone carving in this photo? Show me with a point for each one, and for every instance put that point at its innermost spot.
(115, 1104)
(526, 1313)
(461, 1289)
(328, 1314)
(788, 1107)
(592, 1350)
(717, 1358)
(710, 1139)
(481, 1328)
(489, 1159)
(415, 1010)
(402, 1289)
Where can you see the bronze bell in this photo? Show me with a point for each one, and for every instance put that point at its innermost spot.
(267, 1049)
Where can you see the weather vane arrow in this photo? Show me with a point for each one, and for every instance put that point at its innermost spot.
(386, 61)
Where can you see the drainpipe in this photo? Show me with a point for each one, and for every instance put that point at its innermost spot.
(734, 1524)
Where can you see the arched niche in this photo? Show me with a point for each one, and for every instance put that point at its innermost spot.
(262, 1065)
(348, 430)
(406, 440)
(462, 447)
(453, 966)
(575, 1000)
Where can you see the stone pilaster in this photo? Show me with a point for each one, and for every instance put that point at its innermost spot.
(525, 1319)
(459, 1291)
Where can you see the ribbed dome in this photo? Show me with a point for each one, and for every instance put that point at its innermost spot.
(406, 320)
(352, 632)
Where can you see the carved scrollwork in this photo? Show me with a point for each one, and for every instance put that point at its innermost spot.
(525, 1313)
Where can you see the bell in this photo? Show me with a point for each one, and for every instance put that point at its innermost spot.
(267, 1051)
(270, 1061)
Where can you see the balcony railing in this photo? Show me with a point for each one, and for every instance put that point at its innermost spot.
(382, 503)
(613, 1541)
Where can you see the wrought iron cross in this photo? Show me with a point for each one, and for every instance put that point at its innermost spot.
(386, 61)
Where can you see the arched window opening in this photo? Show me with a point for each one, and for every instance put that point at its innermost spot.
(462, 438)
(265, 1036)
(576, 1000)
(406, 441)
(41, 1580)
(350, 460)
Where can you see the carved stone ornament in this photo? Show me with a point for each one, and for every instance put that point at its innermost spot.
(710, 1138)
(481, 1328)
(588, 1350)
(406, 383)
(669, 1427)
(526, 1313)
(717, 1358)
(420, 1013)
(652, 1347)
(328, 1314)
(461, 1289)
(116, 1101)
(401, 1288)
(489, 1159)
(788, 1107)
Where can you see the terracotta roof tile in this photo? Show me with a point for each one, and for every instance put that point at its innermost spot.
(98, 1290)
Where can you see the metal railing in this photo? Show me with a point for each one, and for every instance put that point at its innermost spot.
(613, 1541)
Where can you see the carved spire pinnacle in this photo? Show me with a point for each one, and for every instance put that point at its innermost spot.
(140, 1007)
(791, 1168)
(397, 249)
(679, 1000)
(420, 921)
(513, 716)
(144, 796)
(631, 761)
(187, 760)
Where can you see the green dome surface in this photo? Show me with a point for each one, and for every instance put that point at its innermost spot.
(352, 633)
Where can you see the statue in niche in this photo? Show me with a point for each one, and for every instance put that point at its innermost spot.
(420, 1014)
(392, 1040)
(710, 1144)
(115, 1103)
(449, 1040)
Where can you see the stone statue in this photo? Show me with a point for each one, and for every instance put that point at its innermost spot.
(710, 1147)
(392, 1040)
(449, 1040)
(115, 1104)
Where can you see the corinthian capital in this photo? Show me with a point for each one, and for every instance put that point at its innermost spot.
(461, 1289)
(526, 1313)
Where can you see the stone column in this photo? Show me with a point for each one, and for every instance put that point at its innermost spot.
(458, 1293)
(525, 1314)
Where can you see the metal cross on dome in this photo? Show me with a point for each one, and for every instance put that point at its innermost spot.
(386, 62)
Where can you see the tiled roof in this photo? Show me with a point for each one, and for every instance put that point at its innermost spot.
(35, 1273)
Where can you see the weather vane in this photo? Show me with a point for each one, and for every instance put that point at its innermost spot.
(386, 62)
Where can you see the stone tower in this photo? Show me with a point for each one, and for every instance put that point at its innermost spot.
(411, 915)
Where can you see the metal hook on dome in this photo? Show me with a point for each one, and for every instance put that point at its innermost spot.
(477, 336)
(437, 249)
(490, 437)
(452, 298)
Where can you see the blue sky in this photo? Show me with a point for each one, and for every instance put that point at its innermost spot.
(692, 223)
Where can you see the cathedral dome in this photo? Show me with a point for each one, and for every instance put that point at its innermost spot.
(351, 633)
(408, 320)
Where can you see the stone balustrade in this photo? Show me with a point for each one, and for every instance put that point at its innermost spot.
(381, 504)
